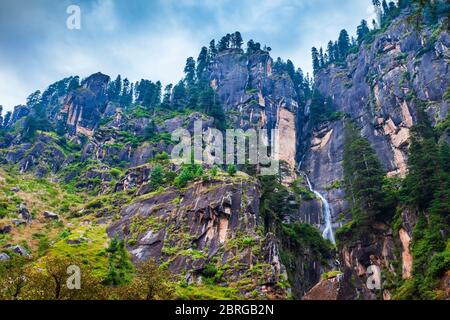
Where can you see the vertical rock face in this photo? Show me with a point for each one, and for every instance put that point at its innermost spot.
(380, 88)
(323, 164)
(286, 150)
(255, 97)
(406, 254)
(84, 107)
(19, 113)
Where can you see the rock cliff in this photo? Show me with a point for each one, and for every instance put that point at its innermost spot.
(380, 88)
(219, 228)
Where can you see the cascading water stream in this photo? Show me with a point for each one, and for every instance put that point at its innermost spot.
(328, 231)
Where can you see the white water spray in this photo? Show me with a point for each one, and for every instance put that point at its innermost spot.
(328, 231)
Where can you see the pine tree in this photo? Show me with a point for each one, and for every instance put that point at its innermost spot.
(126, 96)
(385, 9)
(224, 43)
(330, 52)
(403, 3)
(212, 50)
(320, 108)
(189, 71)
(202, 63)
(120, 266)
(321, 58)
(179, 96)
(290, 69)
(315, 59)
(427, 191)
(36, 120)
(362, 31)
(157, 95)
(337, 56)
(167, 94)
(157, 177)
(210, 106)
(34, 99)
(73, 84)
(423, 162)
(363, 177)
(252, 47)
(343, 44)
(237, 40)
(298, 78)
(115, 89)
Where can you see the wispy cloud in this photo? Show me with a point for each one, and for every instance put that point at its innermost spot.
(152, 39)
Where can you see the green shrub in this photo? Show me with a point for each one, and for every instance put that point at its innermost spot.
(162, 156)
(157, 177)
(95, 204)
(209, 271)
(187, 174)
(120, 266)
(213, 171)
(307, 236)
(115, 173)
(231, 170)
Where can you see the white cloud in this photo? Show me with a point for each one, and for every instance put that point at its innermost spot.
(12, 90)
(102, 16)
(114, 39)
(156, 57)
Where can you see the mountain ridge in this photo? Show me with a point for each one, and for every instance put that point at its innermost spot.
(217, 229)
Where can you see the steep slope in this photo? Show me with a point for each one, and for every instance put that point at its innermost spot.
(226, 235)
(256, 96)
(207, 229)
(379, 88)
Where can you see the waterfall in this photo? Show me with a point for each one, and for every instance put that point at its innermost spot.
(328, 231)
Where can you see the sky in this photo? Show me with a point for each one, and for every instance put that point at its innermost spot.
(151, 39)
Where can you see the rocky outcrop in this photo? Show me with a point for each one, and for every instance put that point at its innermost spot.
(405, 234)
(137, 179)
(285, 146)
(407, 258)
(382, 247)
(208, 223)
(4, 229)
(43, 156)
(18, 250)
(19, 113)
(85, 106)
(134, 178)
(4, 257)
(325, 290)
(50, 215)
(24, 213)
(256, 97)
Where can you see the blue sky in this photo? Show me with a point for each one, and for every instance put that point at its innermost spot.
(151, 39)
